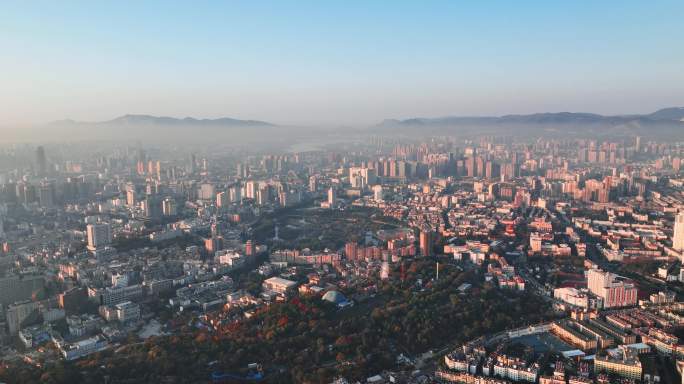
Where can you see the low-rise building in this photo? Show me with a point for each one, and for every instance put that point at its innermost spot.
(73, 351)
(564, 330)
(572, 296)
(622, 363)
(34, 336)
(127, 312)
(279, 285)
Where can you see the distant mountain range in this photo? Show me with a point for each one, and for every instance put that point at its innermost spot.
(676, 113)
(171, 121)
(158, 128)
(666, 121)
(667, 116)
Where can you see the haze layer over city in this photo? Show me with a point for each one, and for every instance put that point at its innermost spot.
(342, 192)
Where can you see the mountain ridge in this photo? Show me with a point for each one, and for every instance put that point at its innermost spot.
(673, 114)
(666, 123)
(143, 119)
(670, 114)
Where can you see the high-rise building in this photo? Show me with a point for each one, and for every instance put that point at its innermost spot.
(332, 198)
(46, 194)
(18, 288)
(152, 206)
(221, 199)
(242, 171)
(360, 177)
(17, 313)
(41, 161)
(213, 244)
(169, 207)
(140, 168)
(130, 195)
(99, 235)
(192, 164)
(426, 239)
(470, 166)
(249, 248)
(479, 166)
(378, 194)
(235, 193)
(251, 189)
(614, 290)
(263, 194)
(73, 300)
(678, 234)
(206, 191)
(8, 192)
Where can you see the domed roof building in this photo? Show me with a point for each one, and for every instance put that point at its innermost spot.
(337, 298)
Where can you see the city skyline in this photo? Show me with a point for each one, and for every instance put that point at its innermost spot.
(342, 192)
(336, 64)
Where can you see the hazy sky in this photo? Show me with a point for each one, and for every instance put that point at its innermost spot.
(346, 62)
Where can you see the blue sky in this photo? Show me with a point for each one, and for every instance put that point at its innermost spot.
(337, 63)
